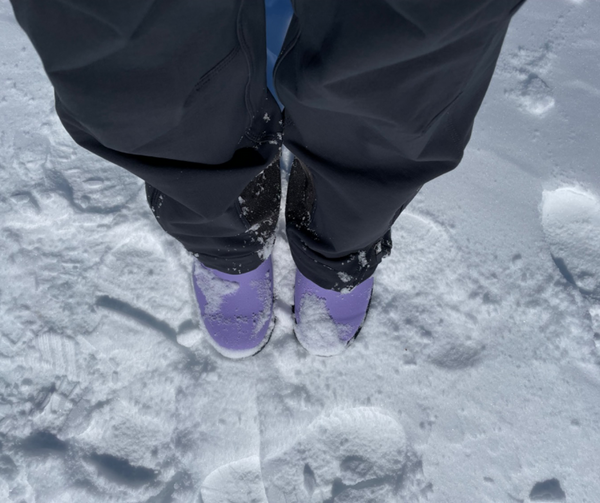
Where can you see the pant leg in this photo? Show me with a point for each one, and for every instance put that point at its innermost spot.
(380, 97)
(174, 92)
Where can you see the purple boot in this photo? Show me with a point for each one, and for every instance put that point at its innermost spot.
(237, 309)
(328, 321)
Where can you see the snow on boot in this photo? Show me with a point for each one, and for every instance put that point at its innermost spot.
(237, 309)
(328, 321)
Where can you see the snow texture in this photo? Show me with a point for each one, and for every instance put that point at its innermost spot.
(317, 332)
(339, 458)
(214, 288)
(571, 220)
(237, 481)
(476, 376)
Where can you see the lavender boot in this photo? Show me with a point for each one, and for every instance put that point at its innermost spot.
(328, 321)
(237, 309)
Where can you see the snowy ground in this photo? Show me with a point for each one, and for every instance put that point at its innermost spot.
(475, 379)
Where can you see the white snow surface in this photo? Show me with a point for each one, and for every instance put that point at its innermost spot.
(239, 480)
(317, 332)
(214, 288)
(476, 377)
(571, 219)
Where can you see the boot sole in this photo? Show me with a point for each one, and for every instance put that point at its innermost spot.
(259, 348)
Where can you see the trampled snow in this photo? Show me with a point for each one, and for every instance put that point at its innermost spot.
(476, 377)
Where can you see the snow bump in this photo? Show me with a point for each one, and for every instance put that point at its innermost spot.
(571, 222)
(359, 452)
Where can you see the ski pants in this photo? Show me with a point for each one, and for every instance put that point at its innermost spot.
(380, 97)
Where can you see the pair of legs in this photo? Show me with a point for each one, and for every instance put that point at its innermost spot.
(380, 97)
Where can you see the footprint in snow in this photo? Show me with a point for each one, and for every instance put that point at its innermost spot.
(237, 482)
(527, 69)
(444, 307)
(356, 455)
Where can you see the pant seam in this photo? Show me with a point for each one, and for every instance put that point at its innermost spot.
(218, 68)
(284, 52)
(247, 56)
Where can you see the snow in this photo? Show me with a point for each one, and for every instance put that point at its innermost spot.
(338, 455)
(216, 288)
(571, 221)
(475, 377)
(236, 481)
(317, 332)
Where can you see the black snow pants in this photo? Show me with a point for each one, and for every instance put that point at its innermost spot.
(380, 97)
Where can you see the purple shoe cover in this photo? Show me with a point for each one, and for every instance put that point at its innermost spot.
(326, 320)
(237, 309)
